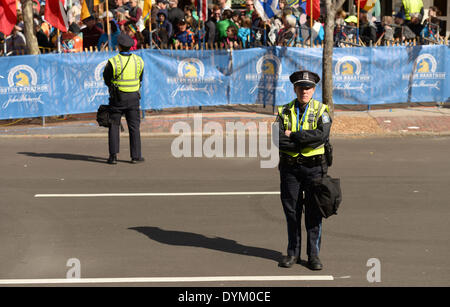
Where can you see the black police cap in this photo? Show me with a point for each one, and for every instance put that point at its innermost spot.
(304, 78)
(125, 41)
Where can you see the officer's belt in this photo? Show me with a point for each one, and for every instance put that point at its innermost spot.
(301, 160)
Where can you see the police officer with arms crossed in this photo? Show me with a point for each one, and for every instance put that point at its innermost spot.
(304, 125)
(123, 76)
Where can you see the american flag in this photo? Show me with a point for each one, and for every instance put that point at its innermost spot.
(202, 9)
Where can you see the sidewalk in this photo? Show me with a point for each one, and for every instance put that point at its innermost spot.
(387, 122)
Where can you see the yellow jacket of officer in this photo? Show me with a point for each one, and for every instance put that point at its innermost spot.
(307, 121)
(127, 71)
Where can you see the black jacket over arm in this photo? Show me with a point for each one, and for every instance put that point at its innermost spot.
(304, 138)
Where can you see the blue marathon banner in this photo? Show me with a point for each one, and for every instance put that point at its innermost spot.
(58, 84)
(175, 78)
(261, 76)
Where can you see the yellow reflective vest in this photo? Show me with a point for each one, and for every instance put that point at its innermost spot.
(127, 80)
(313, 112)
(412, 6)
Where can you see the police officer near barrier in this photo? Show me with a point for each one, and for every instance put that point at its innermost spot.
(304, 126)
(123, 76)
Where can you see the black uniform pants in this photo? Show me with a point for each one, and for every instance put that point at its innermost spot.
(295, 195)
(132, 115)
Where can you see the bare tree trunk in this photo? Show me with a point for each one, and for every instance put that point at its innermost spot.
(32, 44)
(327, 70)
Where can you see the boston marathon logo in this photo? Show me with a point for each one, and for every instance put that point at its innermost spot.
(23, 87)
(190, 77)
(191, 69)
(268, 73)
(425, 75)
(97, 87)
(348, 76)
(22, 76)
(267, 66)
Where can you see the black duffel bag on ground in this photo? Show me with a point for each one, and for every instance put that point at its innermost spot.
(103, 115)
(327, 195)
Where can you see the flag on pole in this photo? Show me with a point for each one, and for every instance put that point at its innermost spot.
(376, 11)
(360, 3)
(202, 9)
(366, 4)
(267, 8)
(86, 8)
(8, 16)
(146, 11)
(315, 9)
(56, 15)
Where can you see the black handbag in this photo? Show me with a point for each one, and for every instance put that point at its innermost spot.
(104, 110)
(327, 195)
(103, 115)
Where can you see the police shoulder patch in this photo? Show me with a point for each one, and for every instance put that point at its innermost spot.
(325, 118)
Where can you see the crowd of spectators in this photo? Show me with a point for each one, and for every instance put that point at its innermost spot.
(174, 24)
(390, 29)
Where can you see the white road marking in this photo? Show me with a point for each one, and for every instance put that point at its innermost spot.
(343, 277)
(165, 279)
(157, 194)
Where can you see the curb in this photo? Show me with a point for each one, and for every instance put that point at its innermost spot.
(173, 135)
(401, 123)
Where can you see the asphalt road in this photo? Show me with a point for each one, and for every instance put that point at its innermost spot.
(395, 208)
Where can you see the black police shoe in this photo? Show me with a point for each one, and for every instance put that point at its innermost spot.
(112, 159)
(314, 263)
(137, 160)
(288, 261)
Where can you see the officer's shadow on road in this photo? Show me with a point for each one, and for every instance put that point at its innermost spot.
(181, 238)
(65, 156)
